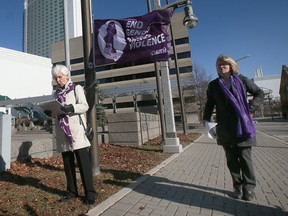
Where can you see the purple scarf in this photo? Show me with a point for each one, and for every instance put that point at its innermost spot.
(245, 126)
(63, 119)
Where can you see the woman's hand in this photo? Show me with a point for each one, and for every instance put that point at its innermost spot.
(48, 113)
(68, 108)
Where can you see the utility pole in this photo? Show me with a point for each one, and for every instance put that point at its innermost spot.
(90, 83)
(181, 99)
(172, 144)
(159, 91)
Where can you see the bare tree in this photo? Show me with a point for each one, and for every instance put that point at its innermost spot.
(194, 92)
(200, 81)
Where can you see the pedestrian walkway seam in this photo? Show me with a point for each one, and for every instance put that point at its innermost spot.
(103, 206)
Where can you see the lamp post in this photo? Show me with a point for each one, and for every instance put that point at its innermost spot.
(159, 93)
(181, 101)
(172, 141)
(90, 82)
(270, 96)
(244, 57)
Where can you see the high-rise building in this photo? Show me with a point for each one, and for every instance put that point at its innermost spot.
(44, 24)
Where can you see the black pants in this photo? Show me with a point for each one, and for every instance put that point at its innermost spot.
(83, 161)
(239, 162)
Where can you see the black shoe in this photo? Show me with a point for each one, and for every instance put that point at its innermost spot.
(68, 197)
(248, 195)
(90, 201)
(90, 198)
(238, 193)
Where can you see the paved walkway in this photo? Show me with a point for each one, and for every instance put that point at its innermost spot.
(197, 182)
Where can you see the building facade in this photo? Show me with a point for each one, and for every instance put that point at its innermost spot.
(123, 86)
(44, 24)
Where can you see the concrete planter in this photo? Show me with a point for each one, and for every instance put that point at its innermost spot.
(133, 128)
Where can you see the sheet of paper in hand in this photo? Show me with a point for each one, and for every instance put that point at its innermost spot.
(210, 126)
(54, 106)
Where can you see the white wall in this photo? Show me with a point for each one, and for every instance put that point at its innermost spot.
(24, 75)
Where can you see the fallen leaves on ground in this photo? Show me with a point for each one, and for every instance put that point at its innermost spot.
(34, 187)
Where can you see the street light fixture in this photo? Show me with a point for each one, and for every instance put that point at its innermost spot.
(244, 57)
(159, 96)
(172, 142)
(181, 99)
(190, 20)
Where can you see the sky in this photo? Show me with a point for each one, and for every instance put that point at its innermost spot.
(237, 28)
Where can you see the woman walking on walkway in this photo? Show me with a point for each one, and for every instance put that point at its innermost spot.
(235, 129)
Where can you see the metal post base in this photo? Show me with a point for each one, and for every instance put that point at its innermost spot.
(172, 145)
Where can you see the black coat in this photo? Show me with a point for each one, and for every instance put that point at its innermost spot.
(226, 116)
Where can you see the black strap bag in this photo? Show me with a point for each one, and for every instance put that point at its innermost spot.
(88, 129)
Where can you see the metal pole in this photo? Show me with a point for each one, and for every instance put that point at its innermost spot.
(181, 102)
(159, 92)
(269, 101)
(160, 101)
(172, 144)
(66, 33)
(25, 26)
(149, 6)
(90, 83)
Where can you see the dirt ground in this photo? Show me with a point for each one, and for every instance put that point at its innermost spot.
(34, 187)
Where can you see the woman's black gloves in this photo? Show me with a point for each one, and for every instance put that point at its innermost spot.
(47, 113)
(68, 108)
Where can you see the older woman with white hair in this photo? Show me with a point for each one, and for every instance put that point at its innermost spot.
(71, 140)
(235, 129)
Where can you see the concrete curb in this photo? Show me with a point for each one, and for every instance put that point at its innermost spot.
(99, 209)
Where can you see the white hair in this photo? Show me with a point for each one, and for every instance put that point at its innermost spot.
(60, 69)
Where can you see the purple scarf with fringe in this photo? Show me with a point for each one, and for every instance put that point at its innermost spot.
(63, 119)
(245, 126)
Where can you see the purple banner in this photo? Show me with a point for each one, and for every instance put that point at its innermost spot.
(142, 39)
